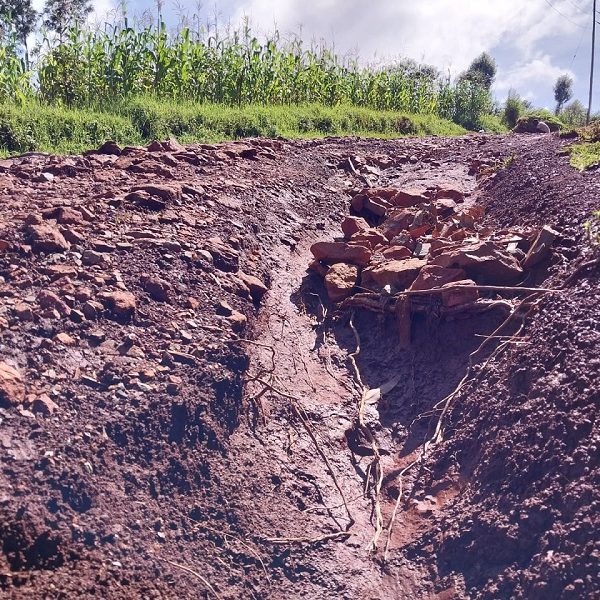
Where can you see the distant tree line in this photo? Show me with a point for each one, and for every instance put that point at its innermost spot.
(18, 17)
(573, 114)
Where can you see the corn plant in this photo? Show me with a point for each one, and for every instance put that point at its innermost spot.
(237, 69)
(15, 84)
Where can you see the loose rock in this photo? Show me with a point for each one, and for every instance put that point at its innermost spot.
(340, 281)
(352, 225)
(434, 276)
(455, 296)
(121, 304)
(44, 405)
(158, 288)
(48, 299)
(257, 288)
(12, 387)
(398, 274)
(336, 252)
(487, 261)
(47, 238)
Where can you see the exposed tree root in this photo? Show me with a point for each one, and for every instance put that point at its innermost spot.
(445, 404)
(381, 303)
(308, 540)
(375, 303)
(269, 385)
(479, 288)
(225, 537)
(256, 399)
(317, 508)
(258, 344)
(375, 470)
(301, 415)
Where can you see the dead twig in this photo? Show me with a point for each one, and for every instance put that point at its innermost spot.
(209, 587)
(212, 328)
(357, 174)
(479, 288)
(307, 540)
(321, 306)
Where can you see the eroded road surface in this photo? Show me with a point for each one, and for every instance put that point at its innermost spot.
(180, 396)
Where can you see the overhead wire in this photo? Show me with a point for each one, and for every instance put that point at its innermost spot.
(562, 14)
(577, 6)
(585, 30)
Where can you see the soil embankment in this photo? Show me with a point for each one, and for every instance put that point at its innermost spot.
(179, 402)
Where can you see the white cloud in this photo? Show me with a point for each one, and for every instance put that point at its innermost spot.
(531, 76)
(446, 33)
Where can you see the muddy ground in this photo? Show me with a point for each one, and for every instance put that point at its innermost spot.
(177, 392)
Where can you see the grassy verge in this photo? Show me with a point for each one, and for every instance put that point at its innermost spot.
(70, 131)
(49, 129)
(585, 155)
(493, 124)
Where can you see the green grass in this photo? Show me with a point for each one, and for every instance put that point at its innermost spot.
(70, 131)
(590, 133)
(58, 130)
(585, 155)
(493, 124)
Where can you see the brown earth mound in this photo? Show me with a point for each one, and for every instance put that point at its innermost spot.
(184, 413)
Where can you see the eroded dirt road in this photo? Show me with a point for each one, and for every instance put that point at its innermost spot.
(171, 430)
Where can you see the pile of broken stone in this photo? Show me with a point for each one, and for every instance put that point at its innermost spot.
(429, 246)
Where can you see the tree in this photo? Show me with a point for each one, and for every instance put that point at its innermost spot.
(574, 114)
(20, 17)
(481, 71)
(563, 91)
(60, 14)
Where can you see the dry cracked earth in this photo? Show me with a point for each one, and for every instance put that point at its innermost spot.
(316, 369)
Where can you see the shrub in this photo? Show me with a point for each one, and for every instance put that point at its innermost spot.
(514, 107)
(574, 114)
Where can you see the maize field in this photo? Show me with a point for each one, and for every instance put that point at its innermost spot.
(91, 69)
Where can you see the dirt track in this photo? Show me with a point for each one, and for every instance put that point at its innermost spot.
(143, 453)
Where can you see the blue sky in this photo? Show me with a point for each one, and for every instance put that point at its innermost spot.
(533, 41)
